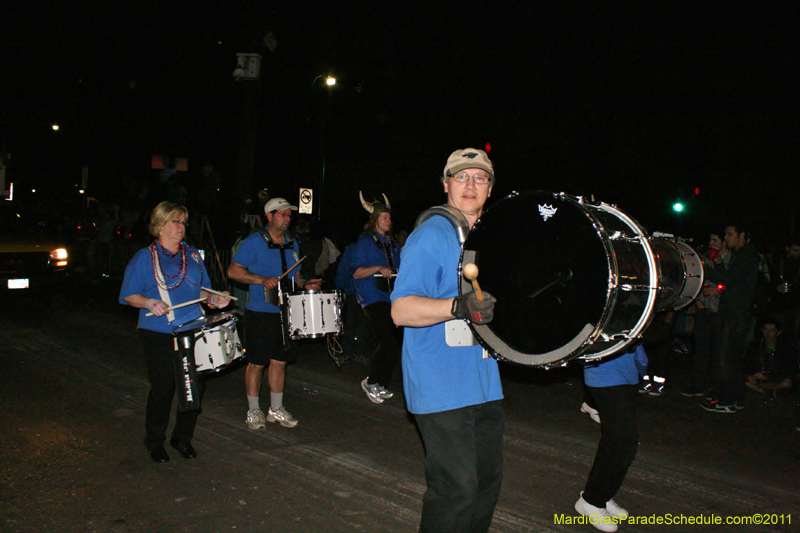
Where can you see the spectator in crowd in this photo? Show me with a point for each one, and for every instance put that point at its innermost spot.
(737, 285)
(786, 292)
(770, 360)
(707, 324)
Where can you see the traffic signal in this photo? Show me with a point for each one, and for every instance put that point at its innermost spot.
(677, 207)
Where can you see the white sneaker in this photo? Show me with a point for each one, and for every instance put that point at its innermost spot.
(586, 408)
(385, 394)
(598, 517)
(283, 416)
(373, 391)
(255, 419)
(616, 511)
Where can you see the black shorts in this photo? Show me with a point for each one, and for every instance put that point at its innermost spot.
(265, 339)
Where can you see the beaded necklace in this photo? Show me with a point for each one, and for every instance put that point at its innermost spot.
(155, 253)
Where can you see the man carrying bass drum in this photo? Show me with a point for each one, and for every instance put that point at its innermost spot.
(454, 392)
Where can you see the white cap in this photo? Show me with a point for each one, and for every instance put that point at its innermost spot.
(278, 204)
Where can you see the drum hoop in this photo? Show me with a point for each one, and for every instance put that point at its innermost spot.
(589, 334)
(684, 251)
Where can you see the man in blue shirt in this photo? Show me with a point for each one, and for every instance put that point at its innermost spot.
(454, 392)
(259, 262)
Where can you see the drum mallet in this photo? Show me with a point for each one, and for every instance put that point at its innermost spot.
(470, 271)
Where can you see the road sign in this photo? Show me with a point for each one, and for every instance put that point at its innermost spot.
(306, 200)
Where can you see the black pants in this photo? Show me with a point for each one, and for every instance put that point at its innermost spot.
(158, 359)
(355, 338)
(379, 318)
(618, 441)
(728, 363)
(464, 466)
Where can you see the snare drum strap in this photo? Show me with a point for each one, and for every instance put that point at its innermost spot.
(456, 218)
(164, 293)
(271, 296)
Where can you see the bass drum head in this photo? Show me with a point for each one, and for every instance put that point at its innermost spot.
(551, 274)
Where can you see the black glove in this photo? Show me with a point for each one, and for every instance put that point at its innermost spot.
(468, 307)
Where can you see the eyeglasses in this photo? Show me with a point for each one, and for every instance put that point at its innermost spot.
(479, 179)
(181, 222)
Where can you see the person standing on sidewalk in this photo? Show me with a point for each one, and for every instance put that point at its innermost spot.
(737, 285)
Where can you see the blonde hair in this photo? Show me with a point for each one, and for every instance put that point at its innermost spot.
(163, 213)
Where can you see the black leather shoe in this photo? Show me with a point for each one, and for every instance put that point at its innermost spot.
(186, 450)
(159, 455)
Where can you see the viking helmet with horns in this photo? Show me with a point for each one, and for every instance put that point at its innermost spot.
(375, 208)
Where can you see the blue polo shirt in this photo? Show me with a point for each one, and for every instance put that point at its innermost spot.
(140, 279)
(256, 256)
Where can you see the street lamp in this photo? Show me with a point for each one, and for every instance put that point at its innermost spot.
(330, 82)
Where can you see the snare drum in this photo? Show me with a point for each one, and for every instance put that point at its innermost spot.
(573, 279)
(312, 314)
(215, 340)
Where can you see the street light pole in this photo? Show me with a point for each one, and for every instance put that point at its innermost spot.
(330, 82)
(248, 70)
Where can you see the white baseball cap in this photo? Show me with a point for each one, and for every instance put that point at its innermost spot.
(278, 204)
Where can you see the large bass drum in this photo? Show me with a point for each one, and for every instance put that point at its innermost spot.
(573, 279)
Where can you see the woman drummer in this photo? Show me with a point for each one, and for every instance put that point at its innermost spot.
(166, 273)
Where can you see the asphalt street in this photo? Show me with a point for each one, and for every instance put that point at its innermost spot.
(72, 399)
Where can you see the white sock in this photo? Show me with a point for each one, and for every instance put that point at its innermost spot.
(276, 400)
(253, 403)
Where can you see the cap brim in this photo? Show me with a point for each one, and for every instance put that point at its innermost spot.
(471, 164)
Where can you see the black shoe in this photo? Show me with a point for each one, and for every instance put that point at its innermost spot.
(159, 455)
(186, 449)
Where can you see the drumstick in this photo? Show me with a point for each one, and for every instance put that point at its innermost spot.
(470, 271)
(291, 268)
(212, 291)
(184, 304)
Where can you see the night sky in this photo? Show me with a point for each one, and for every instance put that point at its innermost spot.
(636, 103)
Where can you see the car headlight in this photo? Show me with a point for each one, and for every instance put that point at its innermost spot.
(59, 255)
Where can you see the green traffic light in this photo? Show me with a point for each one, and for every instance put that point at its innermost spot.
(677, 207)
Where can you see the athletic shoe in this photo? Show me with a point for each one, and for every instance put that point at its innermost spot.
(656, 385)
(692, 391)
(385, 394)
(616, 511)
(715, 406)
(598, 517)
(644, 386)
(373, 391)
(283, 416)
(586, 408)
(255, 419)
